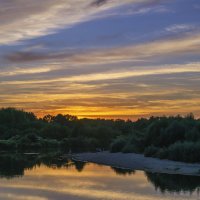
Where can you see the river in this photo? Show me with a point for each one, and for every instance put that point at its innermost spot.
(53, 177)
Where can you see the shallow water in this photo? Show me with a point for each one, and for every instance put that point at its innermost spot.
(50, 177)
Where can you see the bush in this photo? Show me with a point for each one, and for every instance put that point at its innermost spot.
(118, 144)
(55, 131)
(49, 143)
(187, 152)
(162, 153)
(7, 145)
(193, 135)
(175, 132)
(129, 148)
(151, 151)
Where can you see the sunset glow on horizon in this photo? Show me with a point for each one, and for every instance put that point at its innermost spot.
(101, 58)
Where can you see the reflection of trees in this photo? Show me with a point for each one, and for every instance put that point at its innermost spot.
(79, 165)
(174, 183)
(12, 165)
(15, 164)
(52, 160)
(120, 171)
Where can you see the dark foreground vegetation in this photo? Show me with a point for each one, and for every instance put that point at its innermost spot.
(174, 138)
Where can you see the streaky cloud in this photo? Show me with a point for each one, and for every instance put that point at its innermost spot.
(43, 18)
(120, 74)
(98, 2)
(187, 44)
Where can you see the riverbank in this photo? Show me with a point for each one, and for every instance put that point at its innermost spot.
(139, 162)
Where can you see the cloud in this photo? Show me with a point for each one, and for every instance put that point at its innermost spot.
(155, 74)
(99, 2)
(26, 19)
(113, 74)
(34, 70)
(25, 56)
(180, 28)
(139, 91)
(189, 44)
(100, 104)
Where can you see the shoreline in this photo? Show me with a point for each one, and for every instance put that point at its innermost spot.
(132, 161)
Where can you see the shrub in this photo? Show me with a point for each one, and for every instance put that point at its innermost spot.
(55, 131)
(187, 152)
(7, 145)
(49, 143)
(162, 153)
(193, 135)
(151, 151)
(129, 148)
(118, 144)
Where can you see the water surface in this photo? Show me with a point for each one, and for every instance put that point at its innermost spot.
(53, 177)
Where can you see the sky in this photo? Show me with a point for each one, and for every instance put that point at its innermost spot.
(100, 58)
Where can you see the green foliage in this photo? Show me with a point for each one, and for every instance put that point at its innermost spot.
(55, 131)
(7, 145)
(186, 151)
(173, 133)
(118, 144)
(175, 138)
(60, 119)
(129, 148)
(13, 118)
(151, 151)
(193, 135)
(22, 130)
(49, 143)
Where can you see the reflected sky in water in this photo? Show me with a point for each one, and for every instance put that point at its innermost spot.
(92, 181)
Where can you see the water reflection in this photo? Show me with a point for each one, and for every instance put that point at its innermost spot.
(14, 165)
(124, 172)
(174, 183)
(59, 176)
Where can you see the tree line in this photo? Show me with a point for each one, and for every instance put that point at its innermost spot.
(174, 137)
